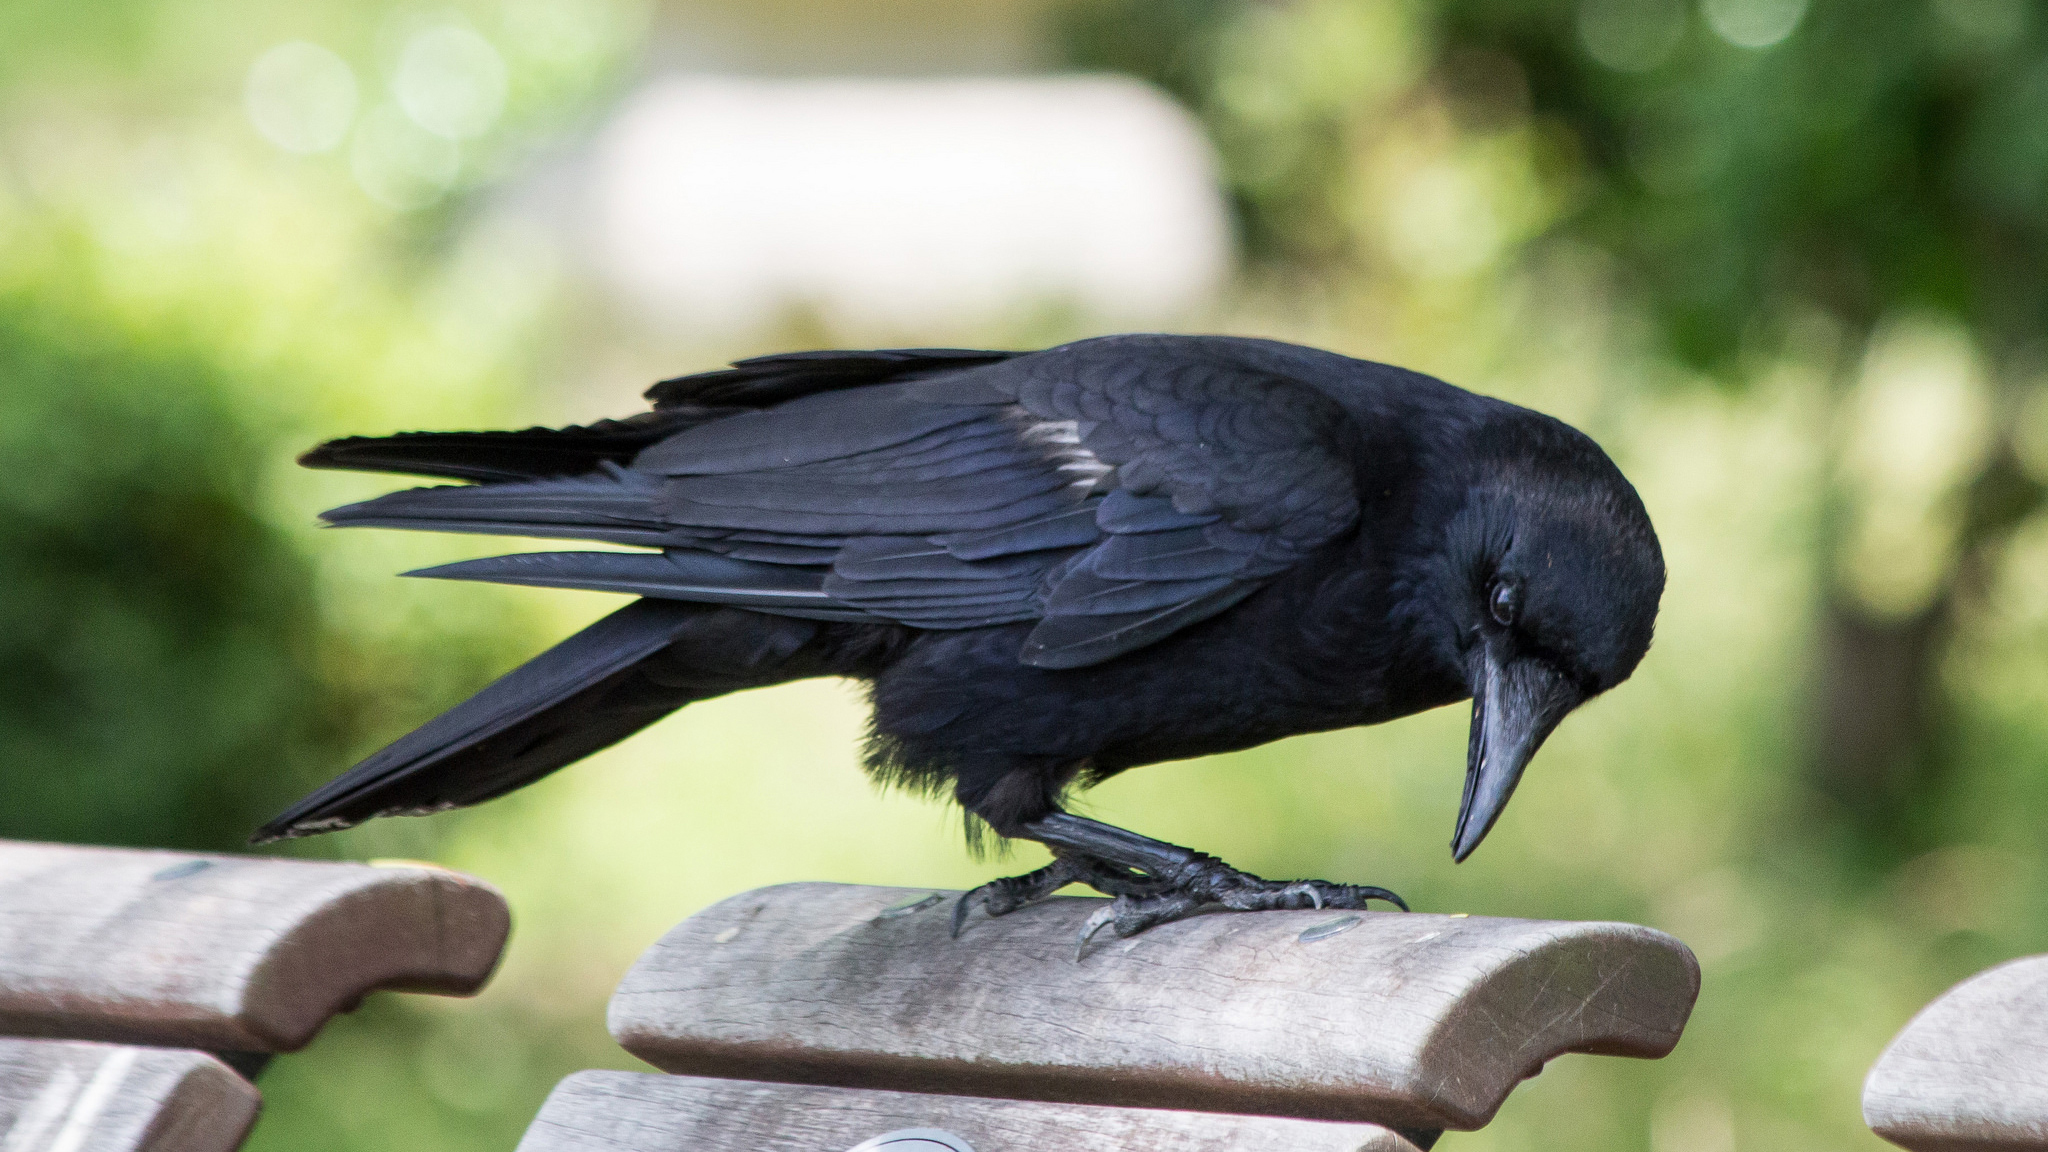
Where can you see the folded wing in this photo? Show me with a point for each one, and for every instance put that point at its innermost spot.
(1112, 491)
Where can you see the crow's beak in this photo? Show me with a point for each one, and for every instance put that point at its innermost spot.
(1516, 702)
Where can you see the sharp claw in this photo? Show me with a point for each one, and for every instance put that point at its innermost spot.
(1096, 923)
(1315, 897)
(960, 907)
(1390, 898)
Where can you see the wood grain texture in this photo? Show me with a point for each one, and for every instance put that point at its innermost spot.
(1409, 1020)
(71, 1096)
(225, 952)
(642, 1112)
(1971, 1070)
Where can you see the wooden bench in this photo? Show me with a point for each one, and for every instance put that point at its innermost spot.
(850, 1013)
(1970, 1071)
(139, 991)
(816, 1016)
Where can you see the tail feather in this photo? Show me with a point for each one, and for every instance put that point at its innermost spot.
(592, 690)
(496, 457)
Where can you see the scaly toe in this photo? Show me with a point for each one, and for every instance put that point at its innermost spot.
(1130, 915)
(1305, 888)
(1150, 911)
(1004, 896)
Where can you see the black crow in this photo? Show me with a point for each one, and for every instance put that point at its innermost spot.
(1047, 567)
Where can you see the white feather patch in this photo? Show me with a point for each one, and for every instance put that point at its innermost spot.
(1061, 441)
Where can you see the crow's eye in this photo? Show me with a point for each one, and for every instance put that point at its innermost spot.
(1505, 602)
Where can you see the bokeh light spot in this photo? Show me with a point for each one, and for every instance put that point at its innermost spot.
(563, 31)
(451, 82)
(1753, 23)
(301, 97)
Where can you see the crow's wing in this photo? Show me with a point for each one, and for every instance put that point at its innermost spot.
(1114, 491)
(1227, 470)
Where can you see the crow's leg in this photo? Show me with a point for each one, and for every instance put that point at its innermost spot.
(1155, 882)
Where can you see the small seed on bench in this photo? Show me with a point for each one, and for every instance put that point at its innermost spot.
(180, 871)
(1327, 929)
(908, 905)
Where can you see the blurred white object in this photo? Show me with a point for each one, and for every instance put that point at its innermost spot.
(905, 203)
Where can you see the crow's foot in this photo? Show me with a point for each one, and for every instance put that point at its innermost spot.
(1153, 882)
(1206, 882)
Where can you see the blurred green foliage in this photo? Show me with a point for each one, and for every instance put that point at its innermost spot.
(1780, 257)
(1878, 157)
(159, 647)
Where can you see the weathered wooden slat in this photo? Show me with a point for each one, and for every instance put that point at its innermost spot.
(72, 1096)
(225, 952)
(643, 1112)
(1971, 1070)
(1409, 1020)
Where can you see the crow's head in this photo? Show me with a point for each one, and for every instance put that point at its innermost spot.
(1541, 592)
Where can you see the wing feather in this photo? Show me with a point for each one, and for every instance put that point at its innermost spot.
(1059, 529)
(765, 381)
(678, 575)
(829, 426)
(882, 520)
(1078, 641)
(1166, 557)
